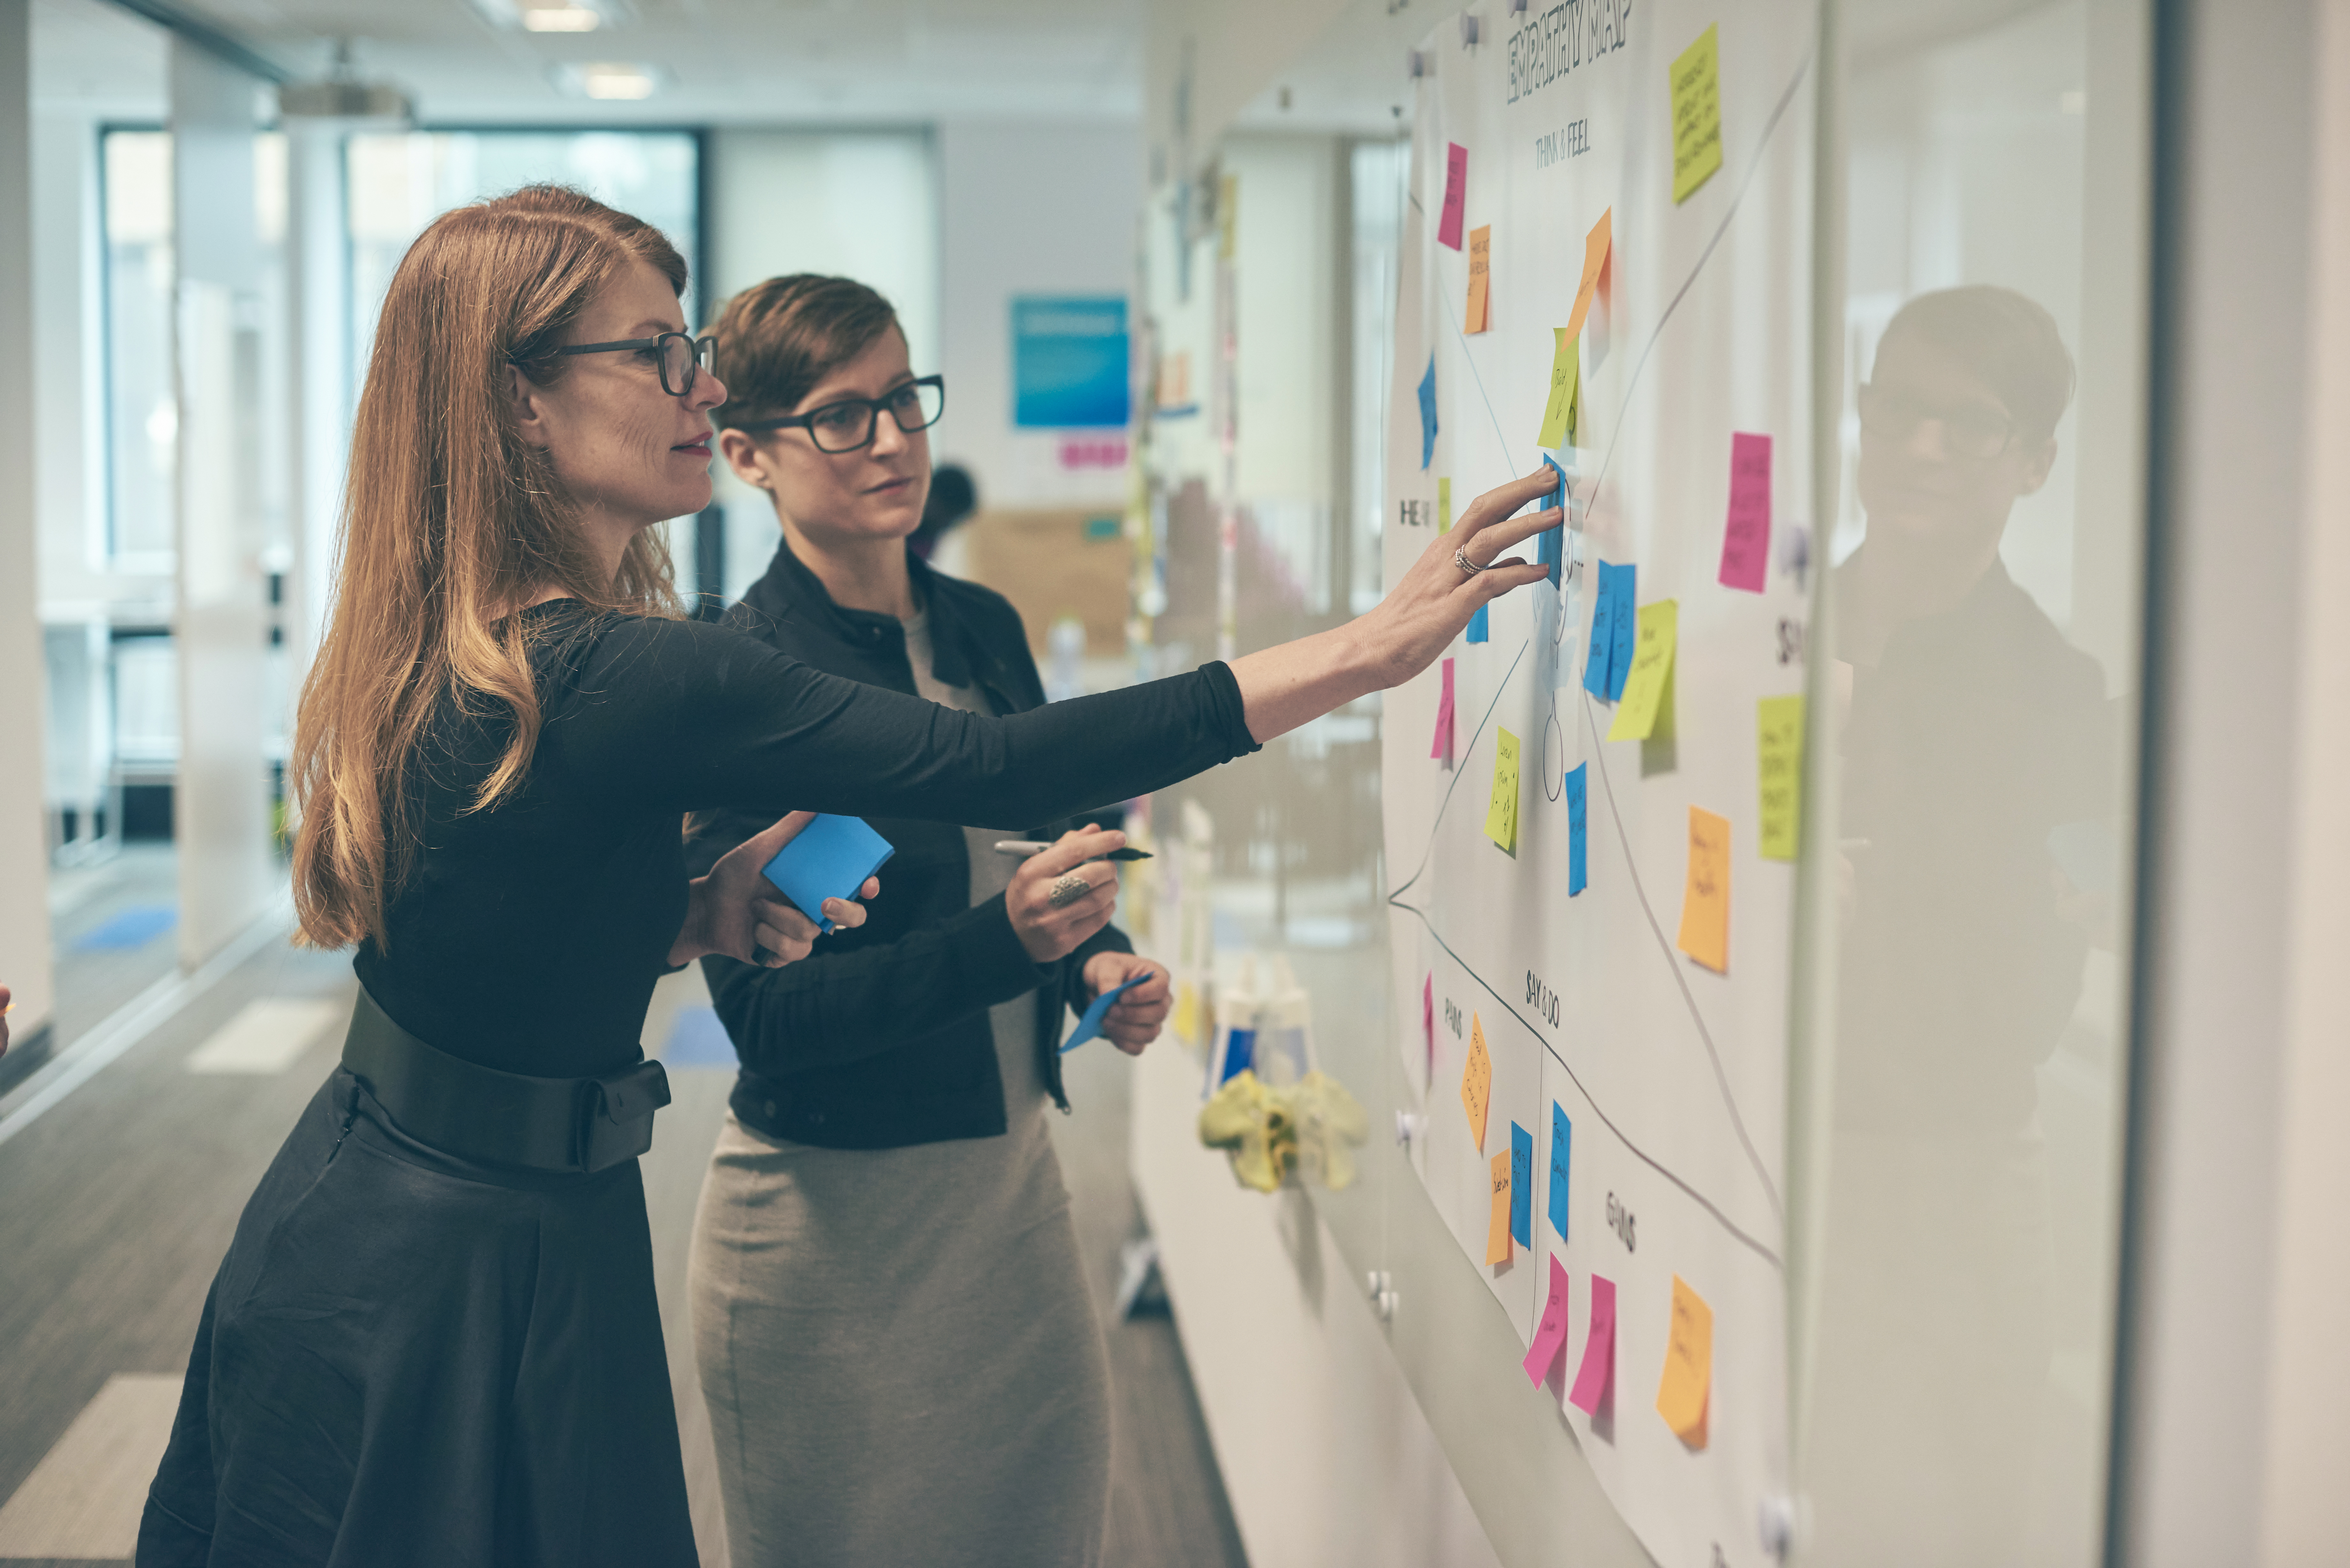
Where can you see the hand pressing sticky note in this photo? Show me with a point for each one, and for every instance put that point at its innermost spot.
(1480, 277)
(1456, 194)
(1441, 747)
(1687, 1386)
(1595, 261)
(1594, 1392)
(1746, 533)
(1562, 1149)
(1696, 115)
(1497, 1227)
(1522, 1186)
(1565, 383)
(1550, 1335)
(1477, 1080)
(1578, 816)
(1779, 773)
(1501, 807)
(1650, 679)
(1705, 900)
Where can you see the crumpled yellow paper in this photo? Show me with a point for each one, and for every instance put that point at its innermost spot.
(1269, 1133)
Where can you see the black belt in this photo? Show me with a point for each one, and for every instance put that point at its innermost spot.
(503, 1118)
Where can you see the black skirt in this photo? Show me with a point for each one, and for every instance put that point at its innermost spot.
(408, 1358)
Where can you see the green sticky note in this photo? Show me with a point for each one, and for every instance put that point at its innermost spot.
(1779, 771)
(1565, 388)
(1696, 115)
(1652, 669)
(1444, 506)
(1502, 808)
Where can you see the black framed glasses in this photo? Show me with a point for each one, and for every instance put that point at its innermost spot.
(848, 424)
(1979, 434)
(680, 355)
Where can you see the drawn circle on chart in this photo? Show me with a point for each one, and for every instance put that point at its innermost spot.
(1553, 754)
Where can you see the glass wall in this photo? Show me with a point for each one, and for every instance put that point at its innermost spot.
(142, 409)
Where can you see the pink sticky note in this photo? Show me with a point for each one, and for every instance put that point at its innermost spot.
(1442, 748)
(1595, 1381)
(1456, 194)
(1746, 540)
(1428, 1018)
(1550, 1338)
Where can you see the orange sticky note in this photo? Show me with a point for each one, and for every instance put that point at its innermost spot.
(1687, 1386)
(1480, 263)
(1477, 1080)
(1594, 258)
(1497, 1229)
(1705, 901)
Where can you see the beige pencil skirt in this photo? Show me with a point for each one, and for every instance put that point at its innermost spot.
(901, 1360)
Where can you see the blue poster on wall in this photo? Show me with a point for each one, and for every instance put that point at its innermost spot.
(1069, 361)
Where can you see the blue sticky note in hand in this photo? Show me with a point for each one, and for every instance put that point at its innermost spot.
(1579, 814)
(831, 858)
(1625, 626)
(1562, 1140)
(1428, 414)
(1522, 1186)
(1091, 1024)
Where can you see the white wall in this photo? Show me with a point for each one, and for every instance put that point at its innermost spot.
(1045, 208)
(24, 852)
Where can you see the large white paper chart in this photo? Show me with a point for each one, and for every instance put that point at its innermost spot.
(1645, 1014)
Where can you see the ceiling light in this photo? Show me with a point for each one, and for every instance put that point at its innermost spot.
(560, 19)
(610, 80)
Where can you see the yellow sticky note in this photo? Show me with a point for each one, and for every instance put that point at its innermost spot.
(1444, 506)
(1186, 1021)
(1497, 1229)
(1705, 900)
(1477, 1080)
(1595, 261)
(1652, 671)
(1481, 266)
(1687, 1386)
(1565, 385)
(1228, 218)
(1502, 809)
(1696, 115)
(1779, 771)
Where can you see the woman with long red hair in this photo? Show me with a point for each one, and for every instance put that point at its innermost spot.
(434, 1338)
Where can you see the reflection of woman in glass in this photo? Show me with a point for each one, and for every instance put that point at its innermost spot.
(1974, 734)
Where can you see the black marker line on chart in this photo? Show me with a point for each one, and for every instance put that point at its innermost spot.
(1645, 1158)
(1457, 772)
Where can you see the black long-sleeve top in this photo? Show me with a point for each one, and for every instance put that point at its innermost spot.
(881, 1037)
(528, 937)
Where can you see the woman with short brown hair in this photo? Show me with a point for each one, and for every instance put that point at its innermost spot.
(434, 1337)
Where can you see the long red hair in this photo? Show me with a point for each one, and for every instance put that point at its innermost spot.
(451, 522)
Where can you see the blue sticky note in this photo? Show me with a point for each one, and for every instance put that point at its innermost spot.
(831, 859)
(1089, 1027)
(1480, 629)
(1625, 626)
(1577, 814)
(1603, 634)
(1562, 1139)
(1550, 545)
(1522, 1186)
(1427, 415)
(1240, 1053)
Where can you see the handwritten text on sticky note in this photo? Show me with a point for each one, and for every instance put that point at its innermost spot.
(1480, 278)
(1497, 1227)
(1746, 534)
(1550, 1335)
(1579, 816)
(1646, 688)
(1705, 900)
(1501, 807)
(1696, 115)
(1686, 1388)
(1477, 1080)
(1595, 1380)
(1566, 378)
(1456, 194)
(1522, 1186)
(1562, 1149)
(1779, 773)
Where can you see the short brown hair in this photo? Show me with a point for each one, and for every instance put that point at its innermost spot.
(778, 339)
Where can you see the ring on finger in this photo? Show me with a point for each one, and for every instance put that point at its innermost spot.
(1460, 559)
(1067, 891)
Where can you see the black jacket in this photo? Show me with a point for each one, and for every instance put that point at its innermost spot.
(881, 1038)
